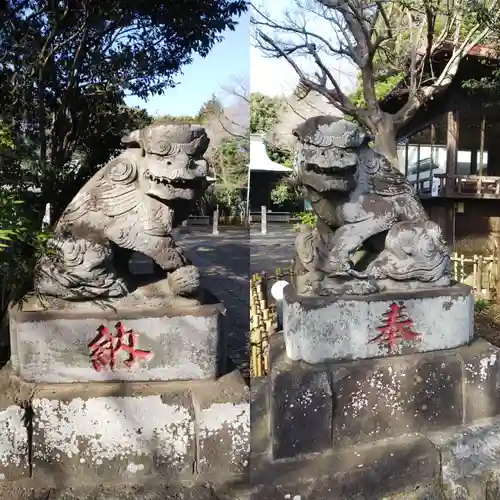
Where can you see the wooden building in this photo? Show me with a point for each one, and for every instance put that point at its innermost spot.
(450, 151)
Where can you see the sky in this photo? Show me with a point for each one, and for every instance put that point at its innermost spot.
(236, 58)
(228, 61)
(276, 77)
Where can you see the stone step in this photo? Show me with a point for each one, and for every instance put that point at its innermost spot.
(124, 432)
(152, 491)
(376, 471)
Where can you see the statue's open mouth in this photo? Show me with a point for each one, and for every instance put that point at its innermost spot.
(165, 189)
(178, 182)
(330, 169)
(327, 179)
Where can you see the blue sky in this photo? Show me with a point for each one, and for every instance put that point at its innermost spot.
(227, 61)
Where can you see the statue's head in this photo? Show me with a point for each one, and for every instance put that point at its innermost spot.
(173, 166)
(329, 153)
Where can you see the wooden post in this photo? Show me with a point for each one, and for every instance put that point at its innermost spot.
(451, 151)
(481, 145)
(215, 222)
(263, 220)
(418, 170)
(407, 157)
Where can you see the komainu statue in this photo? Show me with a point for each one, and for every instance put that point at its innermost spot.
(372, 234)
(131, 204)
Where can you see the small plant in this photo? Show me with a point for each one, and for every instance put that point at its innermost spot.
(482, 305)
(22, 242)
(305, 219)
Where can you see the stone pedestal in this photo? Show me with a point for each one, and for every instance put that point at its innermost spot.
(74, 418)
(322, 329)
(124, 433)
(53, 342)
(376, 427)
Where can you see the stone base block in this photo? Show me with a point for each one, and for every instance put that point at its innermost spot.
(128, 432)
(319, 408)
(14, 434)
(55, 345)
(470, 457)
(321, 329)
(407, 465)
(223, 423)
(92, 438)
(14, 462)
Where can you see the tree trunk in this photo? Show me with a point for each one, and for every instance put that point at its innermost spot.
(385, 139)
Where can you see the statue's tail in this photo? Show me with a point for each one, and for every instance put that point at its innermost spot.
(78, 269)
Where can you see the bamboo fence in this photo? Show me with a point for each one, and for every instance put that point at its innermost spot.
(478, 271)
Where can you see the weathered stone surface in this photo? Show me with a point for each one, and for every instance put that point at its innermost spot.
(152, 490)
(14, 455)
(379, 398)
(315, 407)
(14, 431)
(470, 456)
(481, 361)
(223, 415)
(321, 329)
(109, 438)
(132, 203)
(52, 346)
(360, 197)
(259, 416)
(373, 472)
(301, 406)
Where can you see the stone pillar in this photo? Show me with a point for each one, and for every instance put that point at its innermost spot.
(263, 221)
(215, 223)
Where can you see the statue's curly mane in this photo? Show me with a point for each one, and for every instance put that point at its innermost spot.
(385, 180)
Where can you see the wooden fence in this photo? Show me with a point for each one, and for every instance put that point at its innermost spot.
(479, 272)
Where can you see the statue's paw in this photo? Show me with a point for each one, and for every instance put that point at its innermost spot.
(184, 281)
(359, 274)
(118, 289)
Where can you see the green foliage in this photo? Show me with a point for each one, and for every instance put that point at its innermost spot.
(230, 165)
(213, 107)
(305, 219)
(383, 86)
(229, 199)
(233, 155)
(177, 119)
(282, 193)
(22, 245)
(482, 305)
(264, 112)
(66, 68)
(6, 140)
(281, 154)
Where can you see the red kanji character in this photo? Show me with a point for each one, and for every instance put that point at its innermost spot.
(105, 348)
(397, 326)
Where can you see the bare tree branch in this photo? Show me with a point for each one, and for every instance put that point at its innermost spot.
(287, 50)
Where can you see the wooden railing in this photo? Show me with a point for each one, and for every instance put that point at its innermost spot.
(478, 271)
(463, 186)
(271, 216)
